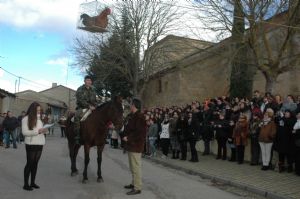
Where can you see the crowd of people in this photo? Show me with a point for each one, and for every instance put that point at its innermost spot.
(11, 131)
(268, 122)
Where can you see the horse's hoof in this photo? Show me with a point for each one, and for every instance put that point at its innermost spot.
(84, 181)
(74, 173)
(100, 180)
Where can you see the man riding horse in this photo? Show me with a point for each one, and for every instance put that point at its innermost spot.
(86, 103)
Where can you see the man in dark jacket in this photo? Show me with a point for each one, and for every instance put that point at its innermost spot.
(257, 99)
(135, 137)
(20, 137)
(193, 131)
(10, 124)
(2, 117)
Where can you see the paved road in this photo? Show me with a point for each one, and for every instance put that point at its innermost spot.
(56, 183)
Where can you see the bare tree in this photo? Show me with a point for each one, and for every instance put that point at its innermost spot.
(270, 41)
(272, 26)
(148, 21)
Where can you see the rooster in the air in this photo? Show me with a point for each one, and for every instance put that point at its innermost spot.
(100, 20)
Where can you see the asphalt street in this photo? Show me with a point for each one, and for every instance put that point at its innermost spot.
(56, 183)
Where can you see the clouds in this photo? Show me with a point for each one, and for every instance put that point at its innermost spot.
(43, 15)
(62, 62)
(7, 85)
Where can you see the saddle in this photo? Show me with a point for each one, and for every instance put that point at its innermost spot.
(86, 113)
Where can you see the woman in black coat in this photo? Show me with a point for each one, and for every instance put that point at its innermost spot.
(181, 128)
(193, 129)
(221, 127)
(206, 119)
(284, 142)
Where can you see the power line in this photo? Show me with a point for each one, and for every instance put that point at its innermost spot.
(20, 77)
(9, 72)
(34, 82)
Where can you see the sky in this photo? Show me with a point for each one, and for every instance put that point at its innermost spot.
(35, 41)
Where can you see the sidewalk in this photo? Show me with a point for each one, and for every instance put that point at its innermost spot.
(270, 184)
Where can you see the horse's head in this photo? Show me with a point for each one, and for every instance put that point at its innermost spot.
(116, 112)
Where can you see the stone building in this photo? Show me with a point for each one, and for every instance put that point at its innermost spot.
(6, 100)
(62, 93)
(171, 49)
(48, 104)
(58, 100)
(205, 72)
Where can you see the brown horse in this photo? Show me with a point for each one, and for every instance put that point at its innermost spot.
(93, 132)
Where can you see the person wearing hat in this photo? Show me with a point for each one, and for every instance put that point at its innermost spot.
(266, 137)
(85, 100)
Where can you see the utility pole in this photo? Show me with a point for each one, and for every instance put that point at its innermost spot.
(19, 84)
(16, 85)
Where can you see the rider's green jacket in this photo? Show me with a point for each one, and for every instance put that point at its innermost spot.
(85, 97)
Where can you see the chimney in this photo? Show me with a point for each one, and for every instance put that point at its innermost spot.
(54, 85)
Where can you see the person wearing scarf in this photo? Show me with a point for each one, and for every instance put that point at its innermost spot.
(266, 137)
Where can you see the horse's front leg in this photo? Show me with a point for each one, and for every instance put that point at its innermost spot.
(86, 162)
(73, 155)
(99, 161)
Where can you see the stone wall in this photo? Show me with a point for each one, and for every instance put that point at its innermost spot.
(287, 83)
(170, 50)
(7, 104)
(206, 75)
(196, 77)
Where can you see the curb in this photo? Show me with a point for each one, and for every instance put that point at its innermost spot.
(265, 193)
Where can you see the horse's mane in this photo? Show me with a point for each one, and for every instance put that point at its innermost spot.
(99, 107)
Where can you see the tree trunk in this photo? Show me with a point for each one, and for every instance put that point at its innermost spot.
(136, 67)
(134, 87)
(241, 77)
(270, 83)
